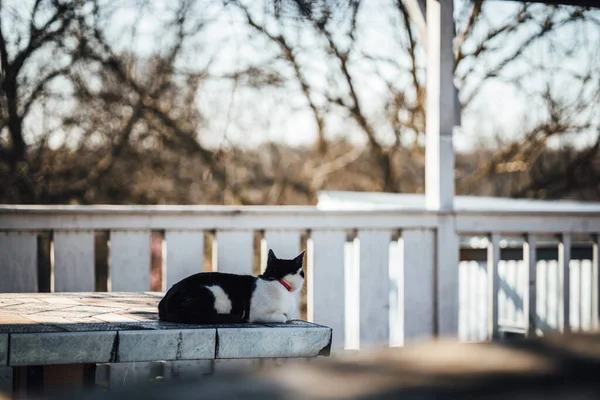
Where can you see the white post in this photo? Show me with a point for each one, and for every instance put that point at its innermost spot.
(439, 159)
(439, 153)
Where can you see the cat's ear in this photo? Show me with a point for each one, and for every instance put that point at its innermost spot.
(298, 260)
(271, 257)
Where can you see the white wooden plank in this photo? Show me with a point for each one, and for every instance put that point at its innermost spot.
(502, 300)
(523, 284)
(482, 300)
(185, 255)
(129, 256)
(474, 300)
(326, 284)
(530, 296)
(419, 284)
(576, 292)
(447, 250)
(234, 252)
(493, 258)
(285, 244)
(396, 295)
(220, 218)
(513, 296)
(463, 301)
(502, 222)
(74, 261)
(352, 287)
(542, 296)
(480, 311)
(374, 288)
(583, 284)
(564, 260)
(588, 297)
(18, 257)
(554, 294)
(595, 283)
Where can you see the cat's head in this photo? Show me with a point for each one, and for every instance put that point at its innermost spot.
(288, 271)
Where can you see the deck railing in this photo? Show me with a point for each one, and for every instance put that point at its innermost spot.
(377, 277)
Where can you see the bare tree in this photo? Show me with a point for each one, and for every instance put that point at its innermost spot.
(166, 116)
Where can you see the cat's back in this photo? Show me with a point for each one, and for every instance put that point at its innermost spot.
(223, 279)
(208, 297)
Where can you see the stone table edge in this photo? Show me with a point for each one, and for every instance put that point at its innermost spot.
(4, 338)
(181, 345)
(325, 350)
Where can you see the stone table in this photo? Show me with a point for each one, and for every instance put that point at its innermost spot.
(56, 339)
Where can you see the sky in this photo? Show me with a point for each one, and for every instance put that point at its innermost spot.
(499, 108)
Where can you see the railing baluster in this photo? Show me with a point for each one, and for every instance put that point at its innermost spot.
(580, 308)
(74, 261)
(18, 257)
(327, 284)
(595, 283)
(129, 261)
(530, 296)
(418, 265)
(374, 288)
(447, 249)
(185, 255)
(564, 260)
(234, 252)
(493, 284)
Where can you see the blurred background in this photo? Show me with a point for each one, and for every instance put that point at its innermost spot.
(267, 102)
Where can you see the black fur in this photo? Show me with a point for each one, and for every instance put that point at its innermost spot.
(189, 301)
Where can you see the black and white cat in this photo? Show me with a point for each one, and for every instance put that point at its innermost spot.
(220, 298)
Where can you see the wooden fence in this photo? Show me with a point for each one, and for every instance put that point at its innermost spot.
(377, 277)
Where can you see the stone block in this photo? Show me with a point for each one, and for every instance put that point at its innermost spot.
(3, 349)
(272, 342)
(187, 344)
(61, 348)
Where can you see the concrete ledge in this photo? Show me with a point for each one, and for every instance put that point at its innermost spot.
(296, 339)
(61, 348)
(190, 344)
(73, 328)
(272, 342)
(3, 349)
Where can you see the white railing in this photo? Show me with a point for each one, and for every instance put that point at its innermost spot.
(375, 276)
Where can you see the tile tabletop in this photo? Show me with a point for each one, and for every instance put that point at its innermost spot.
(68, 328)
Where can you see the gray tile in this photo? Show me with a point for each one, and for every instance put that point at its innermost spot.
(272, 342)
(188, 344)
(61, 348)
(92, 310)
(3, 349)
(68, 314)
(9, 302)
(33, 308)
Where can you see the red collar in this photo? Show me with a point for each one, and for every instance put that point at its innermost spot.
(283, 283)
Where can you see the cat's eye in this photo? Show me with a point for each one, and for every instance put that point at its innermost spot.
(302, 273)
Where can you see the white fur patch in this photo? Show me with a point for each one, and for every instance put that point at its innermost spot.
(271, 302)
(222, 301)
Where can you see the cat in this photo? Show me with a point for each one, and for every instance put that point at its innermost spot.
(223, 298)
